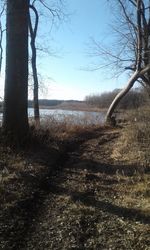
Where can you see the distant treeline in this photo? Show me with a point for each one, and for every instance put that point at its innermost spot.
(46, 102)
(134, 99)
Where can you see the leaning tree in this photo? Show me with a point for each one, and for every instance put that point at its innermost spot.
(15, 118)
(133, 47)
(138, 21)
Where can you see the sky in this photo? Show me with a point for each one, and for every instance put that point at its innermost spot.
(66, 74)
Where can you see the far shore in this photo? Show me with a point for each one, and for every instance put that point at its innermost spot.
(74, 107)
(89, 109)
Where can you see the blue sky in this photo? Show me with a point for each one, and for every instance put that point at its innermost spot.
(64, 75)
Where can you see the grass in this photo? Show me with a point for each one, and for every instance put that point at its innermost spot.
(133, 149)
(53, 129)
(134, 144)
(75, 202)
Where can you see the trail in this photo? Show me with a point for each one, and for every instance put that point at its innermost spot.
(76, 204)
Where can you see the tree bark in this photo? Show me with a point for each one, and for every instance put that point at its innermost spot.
(36, 85)
(15, 121)
(33, 32)
(120, 95)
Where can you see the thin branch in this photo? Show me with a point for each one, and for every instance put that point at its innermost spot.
(33, 30)
(126, 15)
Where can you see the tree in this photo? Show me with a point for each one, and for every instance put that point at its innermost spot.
(134, 48)
(56, 11)
(15, 119)
(134, 99)
(33, 34)
(141, 67)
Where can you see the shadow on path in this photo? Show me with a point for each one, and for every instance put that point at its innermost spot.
(21, 218)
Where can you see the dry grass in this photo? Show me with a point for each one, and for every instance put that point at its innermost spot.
(133, 150)
(80, 205)
(134, 193)
(51, 133)
(134, 144)
(54, 129)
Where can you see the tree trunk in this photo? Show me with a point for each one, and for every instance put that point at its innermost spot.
(36, 85)
(36, 92)
(120, 95)
(33, 33)
(15, 121)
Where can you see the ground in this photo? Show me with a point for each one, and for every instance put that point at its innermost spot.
(74, 195)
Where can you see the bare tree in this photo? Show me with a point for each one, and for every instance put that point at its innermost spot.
(33, 34)
(134, 46)
(140, 24)
(56, 12)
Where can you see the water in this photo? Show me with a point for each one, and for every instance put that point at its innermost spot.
(76, 117)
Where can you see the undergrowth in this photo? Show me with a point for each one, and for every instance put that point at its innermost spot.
(134, 144)
(133, 149)
(53, 130)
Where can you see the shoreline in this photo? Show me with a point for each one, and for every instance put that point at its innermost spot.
(86, 109)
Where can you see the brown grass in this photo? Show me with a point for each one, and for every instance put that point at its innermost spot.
(67, 127)
(133, 149)
(134, 144)
(77, 205)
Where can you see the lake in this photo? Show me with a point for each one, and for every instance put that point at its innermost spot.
(76, 117)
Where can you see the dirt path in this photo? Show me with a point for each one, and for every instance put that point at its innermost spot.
(78, 206)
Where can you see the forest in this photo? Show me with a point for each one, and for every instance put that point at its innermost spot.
(66, 183)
